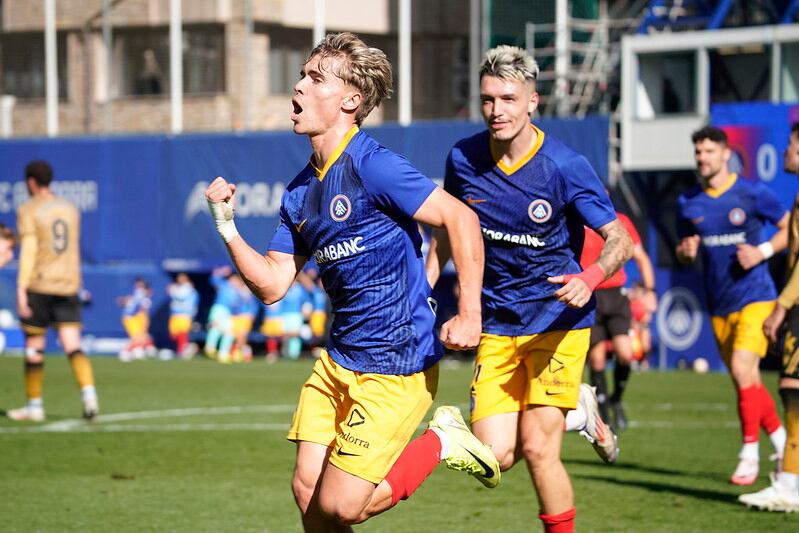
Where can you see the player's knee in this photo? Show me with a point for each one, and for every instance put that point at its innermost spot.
(540, 450)
(34, 357)
(341, 509)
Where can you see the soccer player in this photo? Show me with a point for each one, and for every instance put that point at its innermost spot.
(219, 339)
(136, 321)
(726, 214)
(183, 303)
(47, 289)
(354, 209)
(783, 493)
(272, 329)
(614, 320)
(7, 242)
(532, 195)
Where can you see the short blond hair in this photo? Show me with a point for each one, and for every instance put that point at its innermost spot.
(509, 63)
(363, 67)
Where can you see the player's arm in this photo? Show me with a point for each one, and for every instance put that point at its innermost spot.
(647, 272)
(28, 248)
(787, 299)
(577, 288)
(268, 276)
(461, 228)
(749, 256)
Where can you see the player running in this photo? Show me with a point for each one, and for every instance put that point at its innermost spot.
(354, 208)
(726, 214)
(532, 195)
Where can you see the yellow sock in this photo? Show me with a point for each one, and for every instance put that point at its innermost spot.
(790, 459)
(34, 376)
(82, 368)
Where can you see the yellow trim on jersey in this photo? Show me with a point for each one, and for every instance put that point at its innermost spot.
(715, 193)
(508, 170)
(27, 259)
(320, 174)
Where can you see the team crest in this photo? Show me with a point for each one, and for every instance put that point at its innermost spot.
(737, 216)
(340, 208)
(540, 211)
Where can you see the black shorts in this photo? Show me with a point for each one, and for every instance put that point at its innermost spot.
(613, 315)
(790, 349)
(51, 309)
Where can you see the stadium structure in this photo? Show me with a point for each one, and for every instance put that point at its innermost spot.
(140, 103)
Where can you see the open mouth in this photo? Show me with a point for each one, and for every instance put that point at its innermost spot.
(297, 108)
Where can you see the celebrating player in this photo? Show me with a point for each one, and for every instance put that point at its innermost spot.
(354, 209)
(726, 213)
(47, 289)
(532, 195)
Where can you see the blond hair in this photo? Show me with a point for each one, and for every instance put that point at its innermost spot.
(509, 63)
(363, 67)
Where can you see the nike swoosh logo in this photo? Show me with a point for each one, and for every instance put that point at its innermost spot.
(343, 453)
(550, 393)
(489, 472)
(472, 201)
(301, 224)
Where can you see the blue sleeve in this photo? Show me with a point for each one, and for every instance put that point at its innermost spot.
(586, 193)
(767, 205)
(393, 183)
(286, 239)
(451, 182)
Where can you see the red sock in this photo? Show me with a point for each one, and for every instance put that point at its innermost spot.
(414, 464)
(559, 523)
(769, 418)
(271, 345)
(181, 340)
(749, 409)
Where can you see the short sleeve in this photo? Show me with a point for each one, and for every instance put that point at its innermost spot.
(586, 193)
(451, 181)
(767, 205)
(393, 183)
(286, 239)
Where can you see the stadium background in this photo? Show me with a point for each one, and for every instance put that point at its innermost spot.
(139, 181)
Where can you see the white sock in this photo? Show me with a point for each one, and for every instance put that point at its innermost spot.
(35, 403)
(750, 450)
(444, 439)
(778, 437)
(576, 419)
(88, 393)
(789, 479)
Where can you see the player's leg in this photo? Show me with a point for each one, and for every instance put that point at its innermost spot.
(67, 320)
(498, 386)
(310, 460)
(34, 328)
(597, 354)
(554, 363)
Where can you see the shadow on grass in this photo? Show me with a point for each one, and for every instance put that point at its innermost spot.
(657, 487)
(651, 469)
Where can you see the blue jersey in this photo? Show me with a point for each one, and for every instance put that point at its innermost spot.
(183, 300)
(246, 303)
(724, 219)
(532, 219)
(354, 217)
(226, 294)
(138, 302)
(318, 298)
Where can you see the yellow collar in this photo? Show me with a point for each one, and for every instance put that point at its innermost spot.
(320, 174)
(508, 170)
(715, 193)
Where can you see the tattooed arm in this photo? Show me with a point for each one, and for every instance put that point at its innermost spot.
(618, 248)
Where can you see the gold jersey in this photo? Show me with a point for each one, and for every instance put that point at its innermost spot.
(55, 224)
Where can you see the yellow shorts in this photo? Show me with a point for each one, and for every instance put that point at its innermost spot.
(511, 373)
(136, 325)
(241, 324)
(272, 327)
(742, 330)
(318, 321)
(367, 419)
(179, 324)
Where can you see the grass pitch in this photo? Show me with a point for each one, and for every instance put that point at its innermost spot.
(196, 446)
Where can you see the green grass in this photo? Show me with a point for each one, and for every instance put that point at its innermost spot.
(200, 470)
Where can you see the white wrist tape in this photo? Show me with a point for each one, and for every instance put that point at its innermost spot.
(222, 213)
(766, 249)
